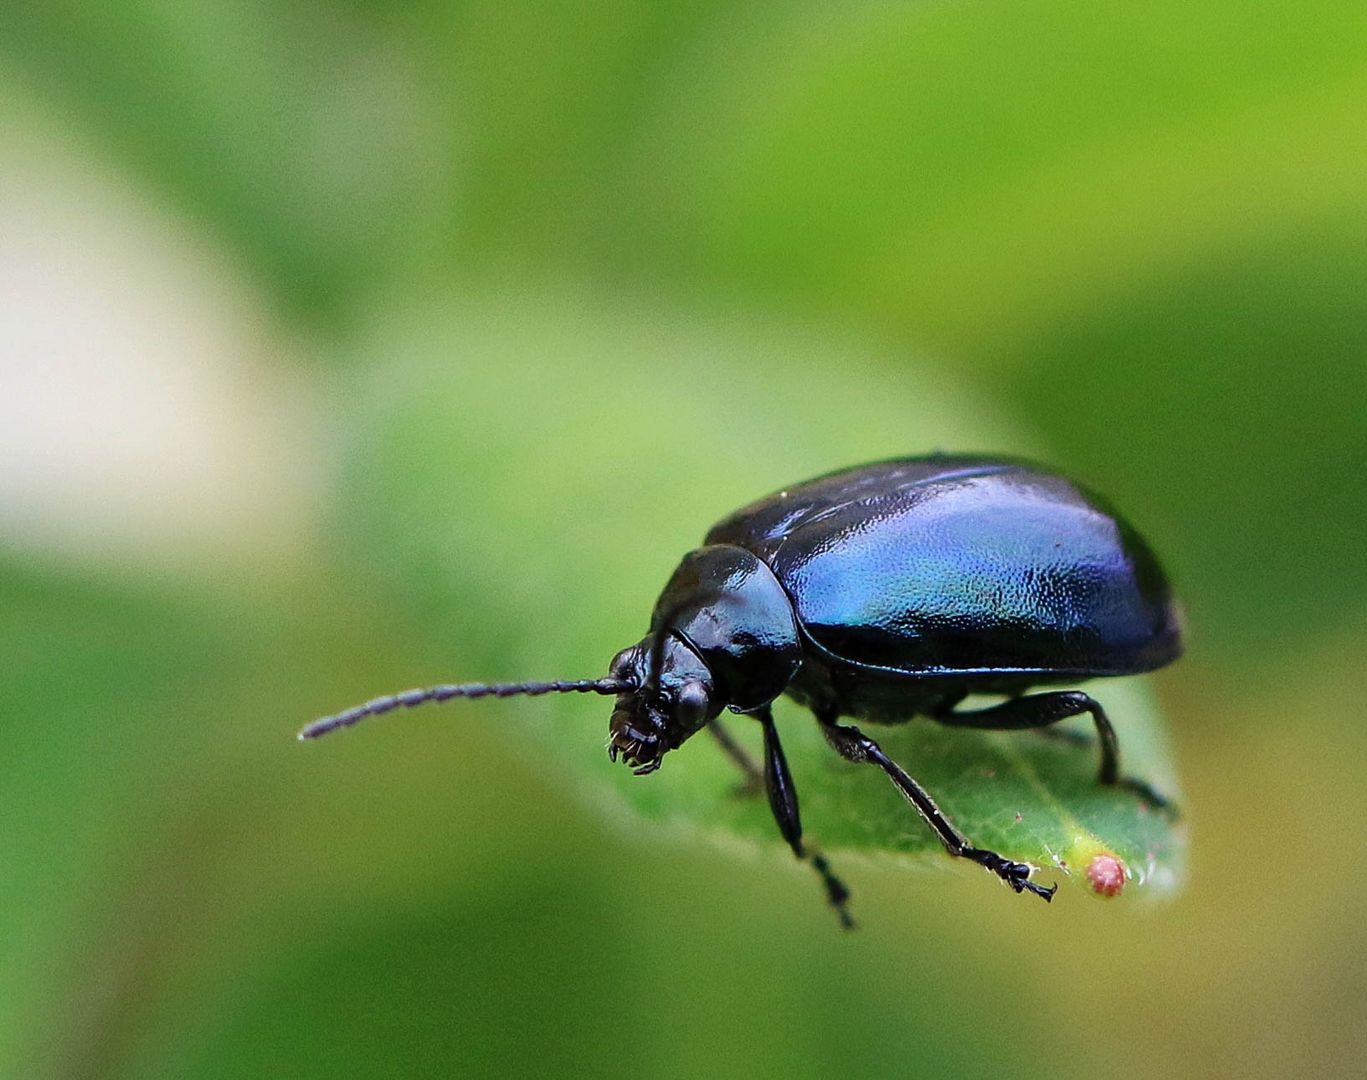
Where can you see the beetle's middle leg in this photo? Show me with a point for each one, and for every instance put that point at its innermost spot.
(778, 782)
(853, 745)
(1041, 710)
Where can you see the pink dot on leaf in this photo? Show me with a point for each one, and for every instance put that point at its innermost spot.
(1106, 874)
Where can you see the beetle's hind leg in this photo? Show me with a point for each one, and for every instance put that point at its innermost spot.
(853, 745)
(1042, 710)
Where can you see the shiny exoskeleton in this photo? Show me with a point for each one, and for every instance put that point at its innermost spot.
(882, 593)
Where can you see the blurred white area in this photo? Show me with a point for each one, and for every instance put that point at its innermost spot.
(149, 410)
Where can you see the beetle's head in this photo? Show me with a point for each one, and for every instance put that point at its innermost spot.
(670, 698)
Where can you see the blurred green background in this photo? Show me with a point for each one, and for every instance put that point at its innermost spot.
(348, 346)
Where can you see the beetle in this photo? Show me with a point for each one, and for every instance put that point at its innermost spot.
(882, 593)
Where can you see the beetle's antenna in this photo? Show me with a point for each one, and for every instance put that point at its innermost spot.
(657, 652)
(657, 647)
(409, 698)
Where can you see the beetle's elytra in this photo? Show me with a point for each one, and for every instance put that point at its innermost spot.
(882, 593)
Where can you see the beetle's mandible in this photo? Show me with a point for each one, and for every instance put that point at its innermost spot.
(882, 593)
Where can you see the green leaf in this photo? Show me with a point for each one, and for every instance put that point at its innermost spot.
(525, 474)
(1028, 796)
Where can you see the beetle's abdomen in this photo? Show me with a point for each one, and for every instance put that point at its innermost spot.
(972, 567)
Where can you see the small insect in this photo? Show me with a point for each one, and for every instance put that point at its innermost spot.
(883, 593)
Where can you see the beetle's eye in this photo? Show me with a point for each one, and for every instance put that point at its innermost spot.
(691, 705)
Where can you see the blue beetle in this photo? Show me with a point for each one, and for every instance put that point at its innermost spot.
(882, 593)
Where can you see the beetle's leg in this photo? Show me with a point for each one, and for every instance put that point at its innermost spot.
(778, 782)
(1041, 710)
(853, 745)
(754, 776)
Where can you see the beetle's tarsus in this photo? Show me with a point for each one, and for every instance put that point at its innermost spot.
(1045, 892)
(1023, 883)
(836, 891)
(1015, 874)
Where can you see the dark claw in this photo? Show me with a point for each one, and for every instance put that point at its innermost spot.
(1015, 874)
(1045, 893)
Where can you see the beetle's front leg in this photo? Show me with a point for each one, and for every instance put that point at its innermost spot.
(753, 783)
(853, 745)
(778, 782)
